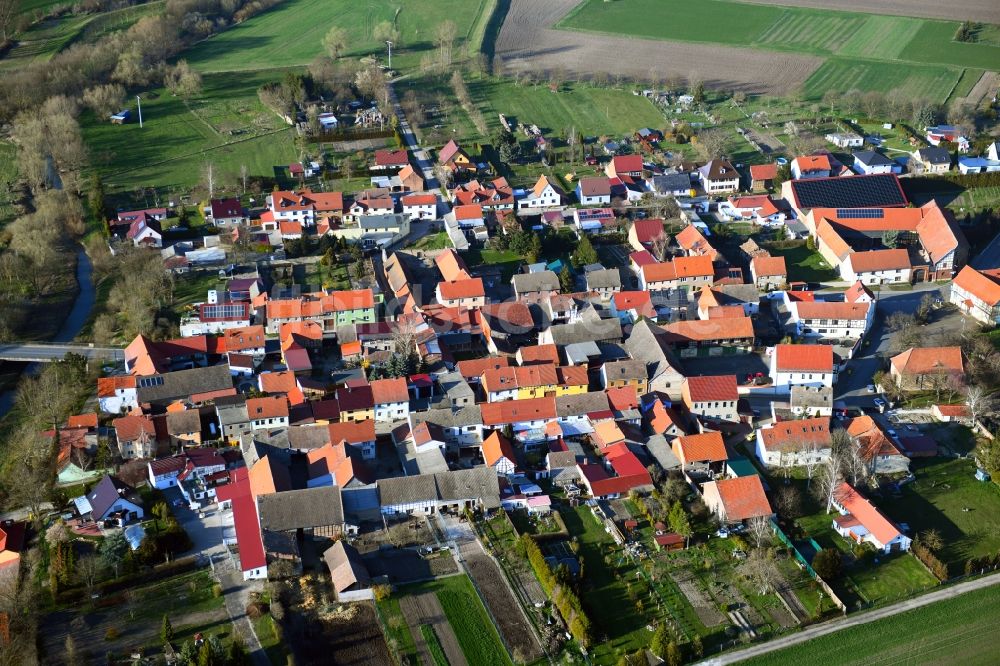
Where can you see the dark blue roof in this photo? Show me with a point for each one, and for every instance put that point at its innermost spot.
(106, 493)
(875, 191)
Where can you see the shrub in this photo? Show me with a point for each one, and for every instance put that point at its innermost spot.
(827, 563)
(111, 634)
(217, 590)
(256, 609)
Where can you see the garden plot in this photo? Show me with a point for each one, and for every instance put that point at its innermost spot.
(706, 609)
(425, 609)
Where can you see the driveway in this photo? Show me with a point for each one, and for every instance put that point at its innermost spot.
(206, 532)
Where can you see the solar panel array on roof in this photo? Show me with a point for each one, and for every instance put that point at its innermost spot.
(224, 311)
(854, 192)
(146, 382)
(860, 213)
(587, 215)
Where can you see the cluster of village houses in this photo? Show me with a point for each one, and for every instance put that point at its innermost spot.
(587, 390)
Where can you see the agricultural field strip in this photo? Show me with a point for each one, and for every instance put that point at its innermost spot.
(782, 29)
(425, 609)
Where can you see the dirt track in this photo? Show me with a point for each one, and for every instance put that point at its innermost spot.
(528, 43)
(987, 11)
(426, 609)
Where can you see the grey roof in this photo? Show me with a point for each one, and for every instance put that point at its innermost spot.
(407, 490)
(526, 283)
(648, 344)
(182, 423)
(811, 396)
(465, 484)
(670, 182)
(455, 386)
(662, 453)
(381, 221)
(450, 418)
(232, 411)
(872, 158)
(743, 293)
(582, 403)
(627, 369)
(307, 436)
(559, 459)
(478, 483)
(592, 330)
(579, 353)
(605, 278)
(935, 155)
(183, 383)
(301, 509)
(346, 568)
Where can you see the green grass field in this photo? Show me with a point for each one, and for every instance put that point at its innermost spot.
(943, 633)
(292, 33)
(873, 52)
(805, 265)
(948, 498)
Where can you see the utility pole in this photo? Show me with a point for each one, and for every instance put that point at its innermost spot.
(139, 101)
(389, 44)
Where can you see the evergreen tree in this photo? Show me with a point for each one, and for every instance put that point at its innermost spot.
(566, 280)
(166, 630)
(585, 253)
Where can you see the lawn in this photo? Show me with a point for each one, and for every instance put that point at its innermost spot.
(894, 577)
(915, 80)
(507, 260)
(477, 636)
(292, 33)
(226, 125)
(947, 497)
(397, 631)
(944, 633)
(805, 265)
(438, 241)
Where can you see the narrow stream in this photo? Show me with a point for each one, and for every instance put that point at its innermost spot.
(75, 320)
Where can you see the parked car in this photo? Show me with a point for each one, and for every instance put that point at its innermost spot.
(880, 403)
(871, 388)
(891, 433)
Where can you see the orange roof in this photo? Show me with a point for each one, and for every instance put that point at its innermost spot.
(607, 433)
(706, 447)
(623, 397)
(663, 419)
(350, 348)
(475, 367)
(982, 286)
(832, 310)
(927, 360)
(937, 232)
(692, 240)
(794, 435)
(725, 312)
(639, 301)
(386, 391)
(768, 266)
(468, 212)
(107, 386)
(813, 162)
(572, 375)
(679, 268)
(419, 199)
(540, 185)
(514, 411)
(267, 477)
(459, 289)
(271, 407)
(763, 171)
(143, 357)
(866, 514)
(451, 265)
(803, 358)
(953, 410)
(712, 388)
(242, 338)
(743, 497)
(495, 447)
(829, 236)
(309, 330)
(734, 328)
(352, 432)
(82, 421)
(278, 382)
(533, 354)
(290, 227)
(880, 260)
(857, 290)
(354, 299)
(129, 428)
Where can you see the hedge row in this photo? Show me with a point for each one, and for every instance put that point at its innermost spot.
(564, 598)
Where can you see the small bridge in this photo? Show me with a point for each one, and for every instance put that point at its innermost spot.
(43, 352)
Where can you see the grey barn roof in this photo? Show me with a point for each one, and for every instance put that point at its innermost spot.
(647, 343)
(582, 403)
(183, 383)
(530, 282)
(450, 418)
(587, 331)
(301, 509)
(606, 278)
(480, 483)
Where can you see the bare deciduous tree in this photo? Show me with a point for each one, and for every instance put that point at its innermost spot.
(182, 80)
(980, 402)
(761, 570)
(759, 529)
(711, 144)
(831, 474)
(444, 39)
(89, 569)
(335, 42)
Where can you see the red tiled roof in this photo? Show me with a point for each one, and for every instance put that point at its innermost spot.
(512, 411)
(856, 291)
(355, 398)
(648, 230)
(793, 435)
(277, 382)
(813, 162)
(391, 158)
(248, 537)
(459, 289)
(469, 212)
(496, 446)
(533, 354)
(706, 447)
(107, 386)
(880, 260)
(927, 360)
(743, 498)
(352, 432)
(734, 328)
(634, 300)
(242, 338)
(642, 258)
(82, 421)
(763, 171)
(474, 368)
(622, 398)
(768, 266)
(982, 286)
(804, 358)
(712, 388)
(866, 514)
(386, 391)
(627, 163)
(271, 407)
(451, 265)
(831, 310)
(129, 428)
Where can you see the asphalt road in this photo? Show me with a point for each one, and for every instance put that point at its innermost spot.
(419, 154)
(52, 352)
(852, 621)
(852, 388)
